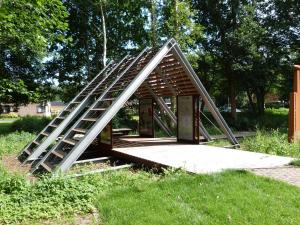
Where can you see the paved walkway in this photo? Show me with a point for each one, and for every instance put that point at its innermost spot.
(289, 174)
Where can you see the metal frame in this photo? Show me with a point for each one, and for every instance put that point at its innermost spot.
(36, 152)
(205, 96)
(162, 125)
(91, 130)
(45, 144)
(133, 85)
(172, 116)
(114, 108)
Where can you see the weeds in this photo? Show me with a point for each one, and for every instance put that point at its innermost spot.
(14, 142)
(271, 142)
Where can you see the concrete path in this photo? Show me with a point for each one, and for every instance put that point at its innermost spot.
(202, 158)
(289, 174)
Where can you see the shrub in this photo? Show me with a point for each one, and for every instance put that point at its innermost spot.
(271, 142)
(10, 115)
(32, 124)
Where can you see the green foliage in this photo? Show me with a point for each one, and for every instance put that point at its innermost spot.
(32, 124)
(296, 162)
(14, 92)
(5, 128)
(27, 29)
(10, 115)
(124, 119)
(47, 198)
(273, 142)
(123, 197)
(271, 119)
(31, 25)
(13, 142)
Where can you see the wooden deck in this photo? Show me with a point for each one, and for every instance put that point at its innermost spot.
(166, 152)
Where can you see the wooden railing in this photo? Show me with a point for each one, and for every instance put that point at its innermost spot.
(294, 113)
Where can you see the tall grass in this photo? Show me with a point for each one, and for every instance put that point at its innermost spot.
(271, 142)
(14, 142)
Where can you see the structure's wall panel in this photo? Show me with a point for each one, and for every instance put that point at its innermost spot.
(146, 122)
(185, 118)
(188, 119)
(294, 113)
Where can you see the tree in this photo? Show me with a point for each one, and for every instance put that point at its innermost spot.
(27, 28)
(79, 60)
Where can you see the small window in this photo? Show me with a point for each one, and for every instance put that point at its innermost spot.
(40, 109)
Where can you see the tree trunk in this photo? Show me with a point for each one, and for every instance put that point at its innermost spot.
(176, 36)
(104, 35)
(176, 30)
(252, 106)
(232, 99)
(153, 23)
(260, 96)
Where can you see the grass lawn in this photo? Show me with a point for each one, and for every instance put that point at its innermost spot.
(140, 197)
(4, 128)
(226, 198)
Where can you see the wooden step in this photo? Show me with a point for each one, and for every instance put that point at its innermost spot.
(27, 151)
(45, 134)
(36, 142)
(53, 125)
(69, 141)
(80, 130)
(47, 166)
(61, 117)
(59, 153)
(98, 109)
(90, 119)
(108, 99)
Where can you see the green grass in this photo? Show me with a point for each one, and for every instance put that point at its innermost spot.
(14, 142)
(295, 162)
(5, 128)
(272, 142)
(140, 197)
(226, 198)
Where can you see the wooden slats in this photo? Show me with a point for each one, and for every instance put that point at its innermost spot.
(90, 119)
(59, 153)
(98, 109)
(69, 141)
(80, 130)
(47, 166)
(36, 142)
(45, 134)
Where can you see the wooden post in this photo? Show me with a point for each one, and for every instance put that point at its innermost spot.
(294, 113)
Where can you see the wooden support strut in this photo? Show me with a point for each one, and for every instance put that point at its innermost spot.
(294, 113)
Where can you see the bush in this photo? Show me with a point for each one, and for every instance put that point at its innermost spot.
(32, 124)
(10, 115)
(272, 119)
(271, 142)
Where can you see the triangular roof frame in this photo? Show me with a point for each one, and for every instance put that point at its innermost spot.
(170, 47)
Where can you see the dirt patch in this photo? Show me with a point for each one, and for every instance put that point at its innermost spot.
(13, 165)
(75, 220)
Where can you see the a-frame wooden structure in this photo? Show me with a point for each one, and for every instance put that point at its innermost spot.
(153, 73)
